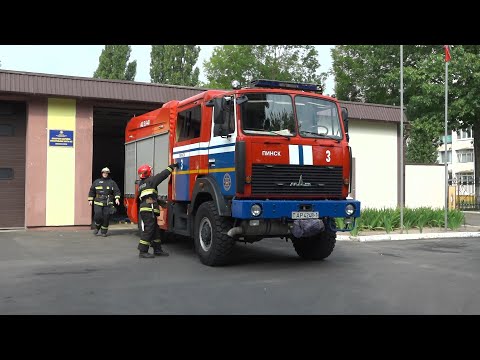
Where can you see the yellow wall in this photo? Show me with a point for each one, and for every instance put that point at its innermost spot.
(60, 202)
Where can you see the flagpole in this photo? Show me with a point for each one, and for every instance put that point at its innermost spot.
(445, 140)
(401, 139)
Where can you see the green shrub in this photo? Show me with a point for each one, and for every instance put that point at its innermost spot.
(455, 219)
(388, 219)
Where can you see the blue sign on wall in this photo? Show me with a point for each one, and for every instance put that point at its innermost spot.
(61, 138)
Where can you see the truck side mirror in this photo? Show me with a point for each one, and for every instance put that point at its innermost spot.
(345, 118)
(219, 104)
(242, 99)
(218, 130)
(222, 130)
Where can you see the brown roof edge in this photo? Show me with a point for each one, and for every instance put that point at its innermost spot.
(375, 112)
(370, 104)
(99, 80)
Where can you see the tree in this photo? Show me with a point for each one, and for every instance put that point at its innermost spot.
(174, 64)
(464, 97)
(371, 73)
(113, 63)
(245, 63)
(419, 151)
(463, 94)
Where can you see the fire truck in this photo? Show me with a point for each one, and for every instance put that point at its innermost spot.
(270, 160)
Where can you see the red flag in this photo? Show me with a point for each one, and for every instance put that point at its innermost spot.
(447, 53)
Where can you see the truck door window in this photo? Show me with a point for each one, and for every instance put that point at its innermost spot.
(188, 124)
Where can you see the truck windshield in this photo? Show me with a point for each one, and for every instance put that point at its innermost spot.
(268, 114)
(272, 114)
(317, 118)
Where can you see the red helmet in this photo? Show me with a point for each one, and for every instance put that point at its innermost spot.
(145, 171)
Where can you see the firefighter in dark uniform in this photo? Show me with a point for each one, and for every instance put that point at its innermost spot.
(101, 194)
(149, 209)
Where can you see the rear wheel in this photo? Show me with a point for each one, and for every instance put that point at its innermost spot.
(212, 244)
(316, 247)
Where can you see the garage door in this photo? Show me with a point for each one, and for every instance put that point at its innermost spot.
(12, 164)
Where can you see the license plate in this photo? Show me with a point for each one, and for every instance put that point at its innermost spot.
(305, 215)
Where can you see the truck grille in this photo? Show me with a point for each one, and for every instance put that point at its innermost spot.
(297, 179)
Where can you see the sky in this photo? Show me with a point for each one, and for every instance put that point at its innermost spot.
(82, 60)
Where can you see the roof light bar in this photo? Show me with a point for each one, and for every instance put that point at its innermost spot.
(286, 85)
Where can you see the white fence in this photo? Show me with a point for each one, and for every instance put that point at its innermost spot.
(425, 186)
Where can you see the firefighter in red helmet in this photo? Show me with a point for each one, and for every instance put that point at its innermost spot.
(149, 209)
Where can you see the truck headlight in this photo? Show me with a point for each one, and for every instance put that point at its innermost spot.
(256, 210)
(349, 209)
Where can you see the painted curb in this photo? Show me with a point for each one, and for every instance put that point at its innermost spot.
(385, 237)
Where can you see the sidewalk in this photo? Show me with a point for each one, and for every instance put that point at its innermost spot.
(412, 234)
(471, 228)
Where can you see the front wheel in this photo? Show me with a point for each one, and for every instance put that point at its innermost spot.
(212, 244)
(315, 247)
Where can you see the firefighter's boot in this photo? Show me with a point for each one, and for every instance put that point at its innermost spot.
(145, 255)
(97, 229)
(158, 251)
(104, 231)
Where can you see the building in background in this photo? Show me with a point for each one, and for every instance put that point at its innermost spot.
(461, 164)
(57, 133)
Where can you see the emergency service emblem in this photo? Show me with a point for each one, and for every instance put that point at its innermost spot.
(227, 181)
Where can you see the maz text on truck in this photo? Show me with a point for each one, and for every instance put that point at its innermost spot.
(270, 160)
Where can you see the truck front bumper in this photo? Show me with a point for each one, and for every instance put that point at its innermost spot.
(277, 209)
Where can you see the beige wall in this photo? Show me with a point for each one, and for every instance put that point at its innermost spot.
(425, 186)
(375, 149)
(83, 163)
(36, 159)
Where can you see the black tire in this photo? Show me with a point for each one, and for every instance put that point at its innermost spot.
(316, 247)
(212, 244)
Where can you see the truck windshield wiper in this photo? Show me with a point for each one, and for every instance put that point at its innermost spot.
(320, 135)
(273, 132)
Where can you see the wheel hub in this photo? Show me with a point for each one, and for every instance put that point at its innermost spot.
(205, 234)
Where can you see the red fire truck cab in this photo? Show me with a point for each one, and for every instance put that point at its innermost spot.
(270, 160)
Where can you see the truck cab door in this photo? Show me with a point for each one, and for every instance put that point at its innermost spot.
(221, 149)
(187, 150)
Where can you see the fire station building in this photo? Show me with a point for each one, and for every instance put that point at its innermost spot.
(57, 133)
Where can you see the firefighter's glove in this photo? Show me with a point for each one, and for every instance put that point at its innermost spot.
(174, 165)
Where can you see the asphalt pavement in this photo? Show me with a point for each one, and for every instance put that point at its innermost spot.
(62, 271)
